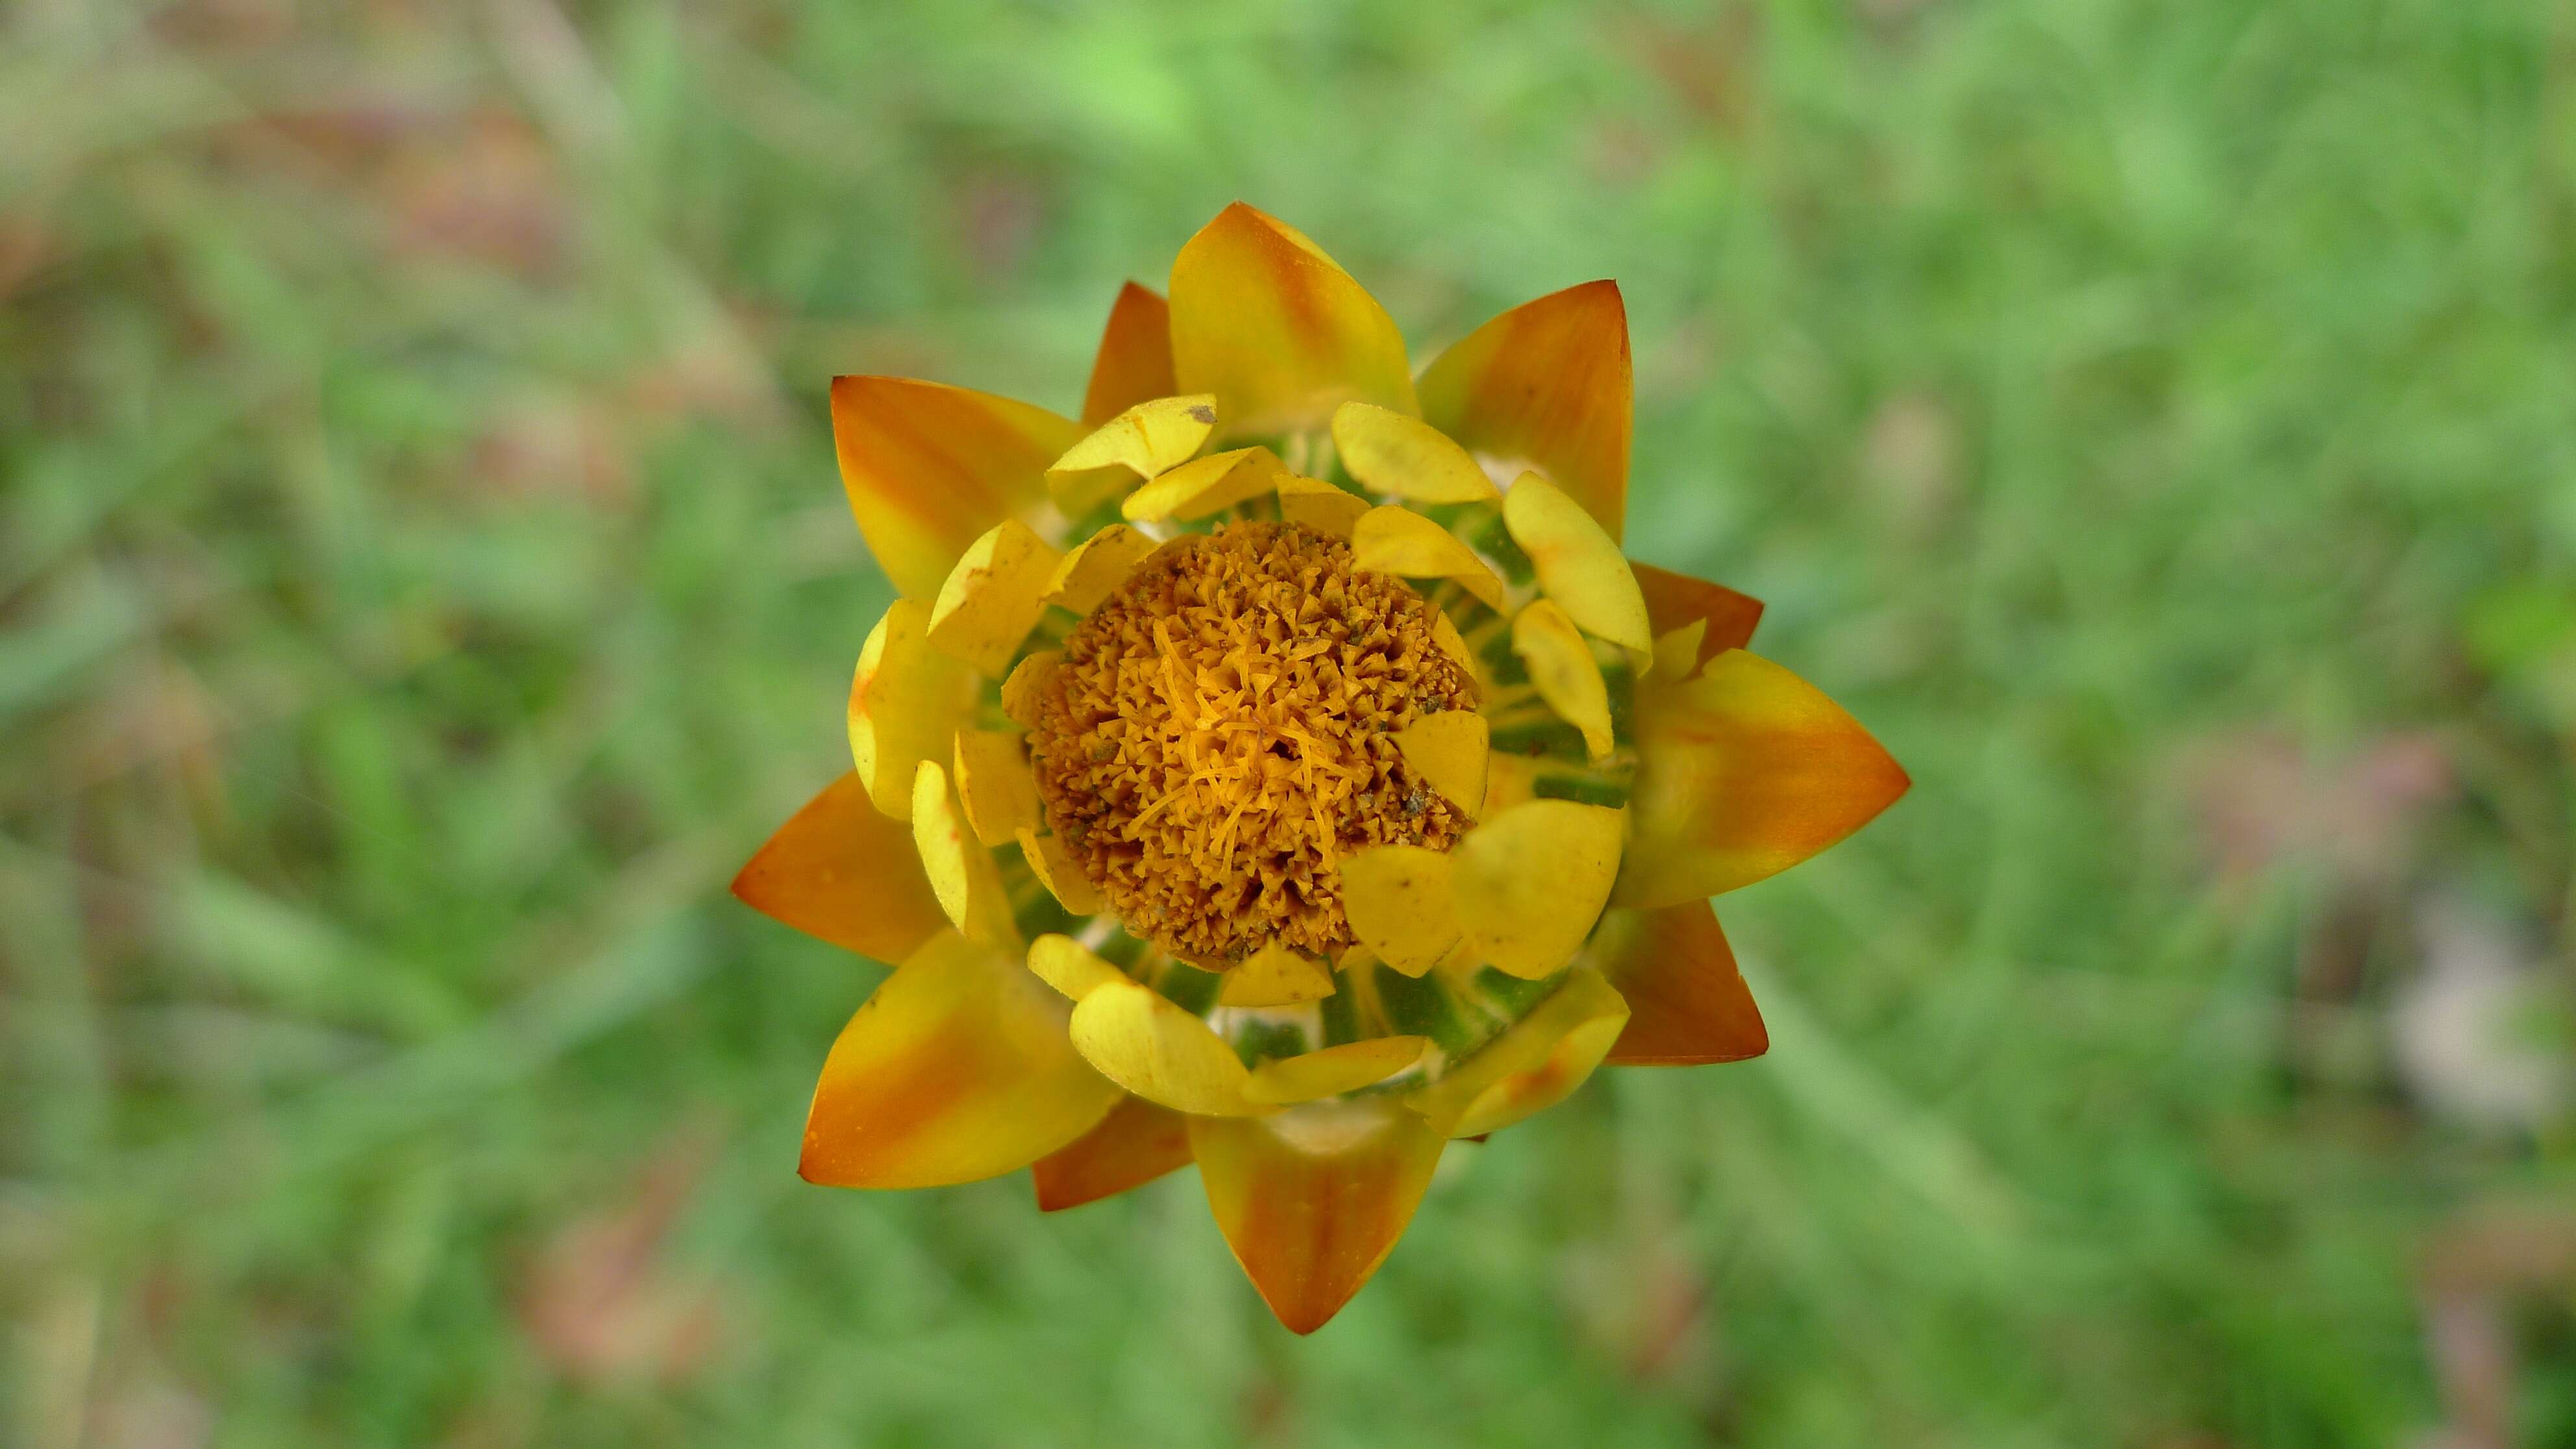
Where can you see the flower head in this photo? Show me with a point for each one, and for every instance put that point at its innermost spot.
(1281, 768)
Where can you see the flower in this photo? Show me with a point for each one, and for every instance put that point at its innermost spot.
(1281, 768)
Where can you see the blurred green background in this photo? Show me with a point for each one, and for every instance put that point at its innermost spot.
(423, 580)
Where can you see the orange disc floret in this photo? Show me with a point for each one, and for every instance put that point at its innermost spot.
(1221, 732)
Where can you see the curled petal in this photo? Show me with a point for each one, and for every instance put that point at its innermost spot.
(1407, 457)
(1444, 632)
(1319, 505)
(1136, 1143)
(906, 701)
(1060, 873)
(842, 870)
(1547, 383)
(1275, 976)
(1687, 1003)
(1449, 750)
(1312, 1199)
(1398, 900)
(1674, 600)
(1145, 439)
(1135, 359)
(1535, 1064)
(993, 597)
(1070, 967)
(1530, 882)
(929, 468)
(1743, 772)
(1282, 335)
(1562, 669)
(1141, 1041)
(1204, 485)
(956, 1069)
(1396, 540)
(961, 871)
(995, 786)
(1333, 1070)
(1020, 686)
(1096, 567)
(1579, 564)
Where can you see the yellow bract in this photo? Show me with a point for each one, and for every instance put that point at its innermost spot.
(1454, 644)
(1067, 965)
(1056, 869)
(1397, 897)
(1275, 976)
(1579, 564)
(961, 872)
(1020, 689)
(1536, 1063)
(1448, 750)
(905, 701)
(994, 784)
(1564, 672)
(1396, 540)
(1096, 567)
(1146, 439)
(1333, 1070)
(1392, 453)
(1319, 505)
(1529, 882)
(1677, 650)
(1136, 1038)
(1203, 486)
(992, 598)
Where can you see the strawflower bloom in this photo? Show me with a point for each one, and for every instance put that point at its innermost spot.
(1281, 769)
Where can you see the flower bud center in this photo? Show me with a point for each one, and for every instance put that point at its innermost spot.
(1221, 732)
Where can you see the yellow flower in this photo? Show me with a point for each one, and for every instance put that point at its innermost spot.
(1281, 768)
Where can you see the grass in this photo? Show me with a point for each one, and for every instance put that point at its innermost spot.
(423, 580)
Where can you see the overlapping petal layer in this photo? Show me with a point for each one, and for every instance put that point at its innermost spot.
(957, 1068)
(930, 468)
(1547, 384)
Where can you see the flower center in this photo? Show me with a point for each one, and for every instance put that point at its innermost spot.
(1221, 732)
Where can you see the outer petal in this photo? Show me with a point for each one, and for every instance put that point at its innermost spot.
(1136, 1143)
(1673, 600)
(1279, 332)
(841, 870)
(1688, 1004)
(1547, 383)
(929, 468)
(1312, 1199)
(956, 1069)
(1135, 361)
(1745, 771)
